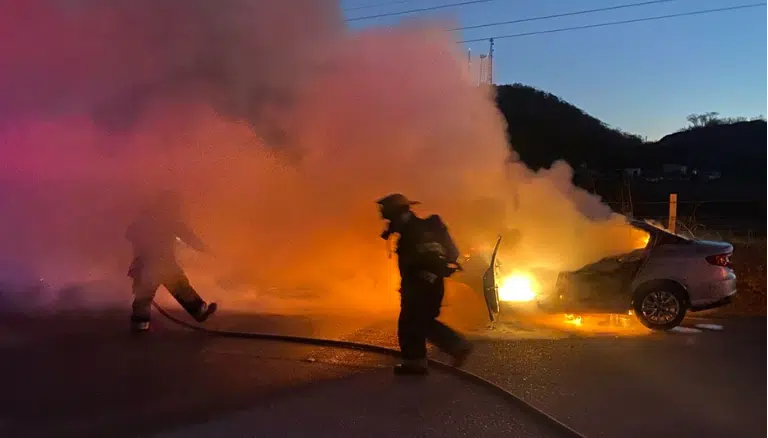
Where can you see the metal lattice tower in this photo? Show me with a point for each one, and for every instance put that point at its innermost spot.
(484, 67)
(490, 62)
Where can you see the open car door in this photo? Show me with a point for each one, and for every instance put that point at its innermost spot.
(480, 275)
(490, 288)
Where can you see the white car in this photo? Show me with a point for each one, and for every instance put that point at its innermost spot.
(660, 282)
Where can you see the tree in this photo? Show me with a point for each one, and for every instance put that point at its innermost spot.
(705, 119)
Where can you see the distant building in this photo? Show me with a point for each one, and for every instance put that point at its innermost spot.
(705, 175)
(710, 175)
(633, 172)
(674, 169)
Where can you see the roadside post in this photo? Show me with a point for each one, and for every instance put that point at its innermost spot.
(672, 226)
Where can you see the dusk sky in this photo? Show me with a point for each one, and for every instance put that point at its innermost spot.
(644, 78)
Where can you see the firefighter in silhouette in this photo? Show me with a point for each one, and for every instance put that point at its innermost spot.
(426, 256)
(153, 236)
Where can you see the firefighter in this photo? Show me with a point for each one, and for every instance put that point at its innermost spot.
(153, 236)
(426, 256)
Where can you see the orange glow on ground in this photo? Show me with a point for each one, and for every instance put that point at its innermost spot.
(572, 319)
(591, 323)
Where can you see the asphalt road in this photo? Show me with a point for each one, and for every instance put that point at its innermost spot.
(81, 375)
(706, 380)
(706, 384)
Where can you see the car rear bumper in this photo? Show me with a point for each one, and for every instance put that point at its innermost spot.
(719, 303)
(718, 294)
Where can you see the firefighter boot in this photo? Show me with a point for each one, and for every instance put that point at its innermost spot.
(191, 301)
(205, 311)
(139, 325)
(461, 354)
(140, 313)
(412, 367)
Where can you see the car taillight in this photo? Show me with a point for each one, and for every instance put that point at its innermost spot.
(723, 260)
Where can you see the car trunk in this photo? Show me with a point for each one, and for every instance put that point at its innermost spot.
(711, 247)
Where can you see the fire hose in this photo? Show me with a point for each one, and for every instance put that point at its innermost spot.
(545, 419)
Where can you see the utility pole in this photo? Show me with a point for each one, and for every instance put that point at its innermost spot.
(482, 77)
(627, 208)
(469, 62)
(490, 63)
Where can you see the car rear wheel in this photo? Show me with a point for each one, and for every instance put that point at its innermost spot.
(660, 307)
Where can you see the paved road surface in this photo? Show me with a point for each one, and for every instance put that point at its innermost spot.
(80, 376)
(377, 404)
(86, 377)
(708, 384)
(706, 380)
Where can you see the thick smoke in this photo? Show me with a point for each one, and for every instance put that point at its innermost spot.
(279, 126)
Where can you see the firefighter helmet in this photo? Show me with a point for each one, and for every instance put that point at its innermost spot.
(394, 204)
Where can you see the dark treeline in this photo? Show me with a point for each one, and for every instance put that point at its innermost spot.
(710, 158)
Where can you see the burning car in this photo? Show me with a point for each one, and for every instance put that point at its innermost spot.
(667, 276)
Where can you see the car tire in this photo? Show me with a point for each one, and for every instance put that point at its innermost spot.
(667, 297)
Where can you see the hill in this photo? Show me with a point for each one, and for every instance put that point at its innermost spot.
(736, 150)
(543, 128)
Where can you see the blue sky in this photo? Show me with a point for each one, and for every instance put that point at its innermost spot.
(644, 78)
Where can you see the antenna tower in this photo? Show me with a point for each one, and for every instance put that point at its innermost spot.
(490, 62)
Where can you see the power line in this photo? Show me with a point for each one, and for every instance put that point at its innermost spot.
(564, 14)
(522, 20)
(614, 23)
(377, 5)
(413, 11)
